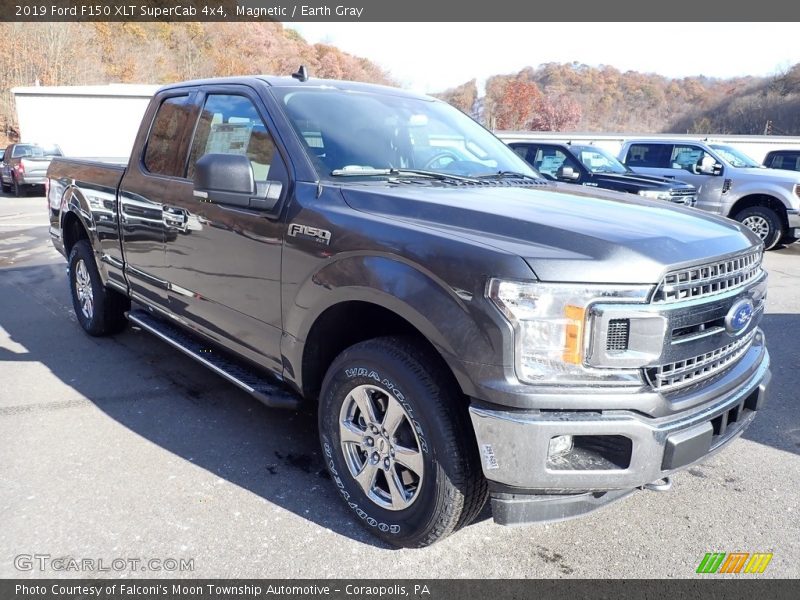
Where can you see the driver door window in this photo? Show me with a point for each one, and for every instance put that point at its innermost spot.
(550, 160)
(230, 124)
(689, 158)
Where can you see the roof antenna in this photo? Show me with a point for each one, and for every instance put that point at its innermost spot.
(302, 73)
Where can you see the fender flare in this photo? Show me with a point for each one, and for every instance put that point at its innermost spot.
(73, 202)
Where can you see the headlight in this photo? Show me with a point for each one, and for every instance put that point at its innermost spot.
(550, 329)
(656, 195)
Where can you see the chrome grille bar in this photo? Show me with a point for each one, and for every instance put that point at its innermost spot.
(709, 279)
(697, 368)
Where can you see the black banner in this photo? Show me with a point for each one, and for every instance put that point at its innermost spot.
(740, 587)
(405, 11)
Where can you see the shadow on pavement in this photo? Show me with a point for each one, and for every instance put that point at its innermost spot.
(170, 400)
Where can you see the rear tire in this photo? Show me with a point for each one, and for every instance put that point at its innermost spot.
(17, 188)
(389, 415)
(764, 222)
(100, 310)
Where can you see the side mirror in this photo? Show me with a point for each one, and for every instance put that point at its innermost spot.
(228, 179)
(708, 166)
(567, 173)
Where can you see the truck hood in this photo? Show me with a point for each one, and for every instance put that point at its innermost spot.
(642, 182)
(589, 236)
(773, 175)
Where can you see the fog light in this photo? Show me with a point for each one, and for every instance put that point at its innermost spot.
(559, 445)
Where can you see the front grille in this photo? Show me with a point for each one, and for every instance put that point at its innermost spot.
(697, 368)
(709, 279)
(686, 197)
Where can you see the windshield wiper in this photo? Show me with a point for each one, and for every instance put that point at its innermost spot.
(510, 175)
(393, 172)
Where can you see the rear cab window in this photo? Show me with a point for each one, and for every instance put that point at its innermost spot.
(784, 160)
(653, 156)
(527, 152)
(161, 156)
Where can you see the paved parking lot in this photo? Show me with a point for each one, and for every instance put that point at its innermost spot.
(123, 448)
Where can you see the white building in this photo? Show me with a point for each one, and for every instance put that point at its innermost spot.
(85, 121)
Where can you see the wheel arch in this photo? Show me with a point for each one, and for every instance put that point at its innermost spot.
(397, 300)
(77, 223)
(761, 199)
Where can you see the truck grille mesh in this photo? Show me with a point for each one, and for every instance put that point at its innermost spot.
(709, 279)
(618, 334)
(694, 369)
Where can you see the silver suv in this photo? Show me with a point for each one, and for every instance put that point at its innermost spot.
(728, 183)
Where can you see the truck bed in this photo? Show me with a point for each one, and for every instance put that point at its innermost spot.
(104, 172)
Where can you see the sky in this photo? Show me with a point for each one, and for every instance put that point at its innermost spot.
(431, 57)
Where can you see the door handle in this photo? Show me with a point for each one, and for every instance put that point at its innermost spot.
(174, 218)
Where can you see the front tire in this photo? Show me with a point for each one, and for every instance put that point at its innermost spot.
(100, 310)
(397, 442)
(764, 222)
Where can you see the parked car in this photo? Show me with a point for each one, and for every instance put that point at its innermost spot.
(465, 328)
(25, 165)
(728, 182)
(783, 159)
(589, 165)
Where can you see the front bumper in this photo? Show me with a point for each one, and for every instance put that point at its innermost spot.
(793, 217)
(514, 447)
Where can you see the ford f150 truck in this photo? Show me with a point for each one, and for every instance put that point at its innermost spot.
(587, 165)
(465, 328)
(728, 182)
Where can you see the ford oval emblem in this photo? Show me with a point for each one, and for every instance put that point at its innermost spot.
(739, 316)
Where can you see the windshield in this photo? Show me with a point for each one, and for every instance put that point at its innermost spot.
(597, 160)
(357, 133)
(734, 157)
(35, 151)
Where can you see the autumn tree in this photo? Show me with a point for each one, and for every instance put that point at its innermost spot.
(556, 113)
(518, 105)
(159, 52)
(463, 97)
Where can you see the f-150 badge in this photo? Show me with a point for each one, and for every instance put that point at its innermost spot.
(321, 236)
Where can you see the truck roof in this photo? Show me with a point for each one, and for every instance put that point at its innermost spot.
(284, 82)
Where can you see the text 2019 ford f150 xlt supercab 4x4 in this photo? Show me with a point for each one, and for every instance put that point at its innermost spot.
(467, 329)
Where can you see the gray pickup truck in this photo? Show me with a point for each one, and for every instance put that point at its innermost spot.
(465, 329)
(728, 182)
(25, 165)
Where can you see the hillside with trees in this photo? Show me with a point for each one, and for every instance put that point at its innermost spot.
(100, 53)
(577, 97)
(550, 97)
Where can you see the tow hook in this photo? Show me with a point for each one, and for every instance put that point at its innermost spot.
(662, 485)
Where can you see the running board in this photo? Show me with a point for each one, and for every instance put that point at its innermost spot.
(260, 386)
